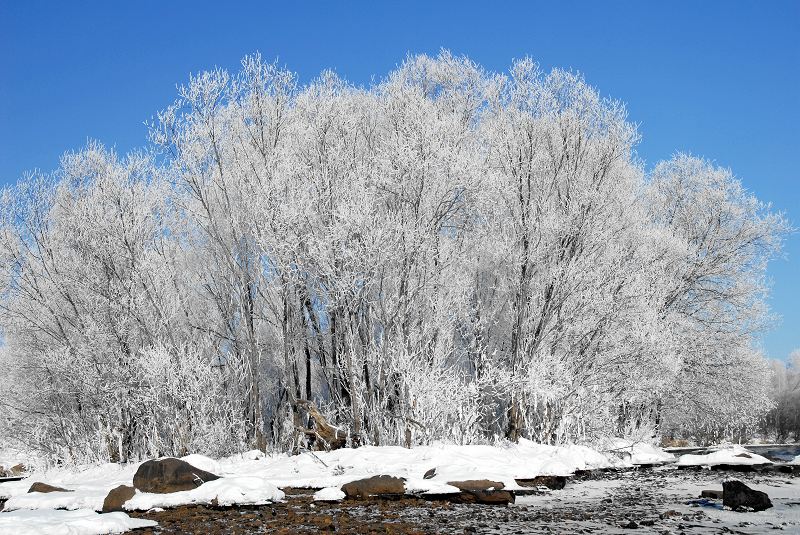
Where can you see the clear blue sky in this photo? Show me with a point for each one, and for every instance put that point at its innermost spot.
(718, 79)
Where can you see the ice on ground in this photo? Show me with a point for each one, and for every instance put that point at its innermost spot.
(735, 455)
(226, 491)
(329, 494)
(672, 490)
(77, 522)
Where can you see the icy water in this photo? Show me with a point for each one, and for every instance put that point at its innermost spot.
(642, 501)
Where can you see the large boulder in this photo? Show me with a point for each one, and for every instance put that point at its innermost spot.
(374, 486)
(116, 497)
(740, 497)
(169, 475)
(44, 487)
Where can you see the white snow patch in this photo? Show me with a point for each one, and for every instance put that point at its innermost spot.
(329, 494)
(78, 522)
(226, 491)
(452, 463)
(735, 455)
(639, 453)
(203, 463)
(90, 484)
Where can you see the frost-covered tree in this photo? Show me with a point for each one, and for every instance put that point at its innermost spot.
(717, 240)
(447, 254)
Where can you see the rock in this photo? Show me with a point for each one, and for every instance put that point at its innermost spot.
(735, 467)
(14, 471)
(44, 487)
(17, 469)
(430, 474)
(630, 525)
(740, 497)
(744, 455)
(477, 484)
(116, 497)
(713, 494)
(326, 523)
(169, 475)
(669, 514)
(551, 482)
(480, 491)
(374, 486)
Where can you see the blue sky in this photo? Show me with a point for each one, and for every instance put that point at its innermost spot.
(717, 79)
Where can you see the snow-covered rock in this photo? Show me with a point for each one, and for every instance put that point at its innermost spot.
(226, 491)
(735, 455)
(329, 494)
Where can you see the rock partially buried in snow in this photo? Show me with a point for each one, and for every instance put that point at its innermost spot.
(740, 497)
(117, 497)
(329, 494)
(551, 482)
(44, 488)
(736, 458)
(14, 471)
(374, 486)
(477, 484)
(480, 491)
(169, 475)
(222, 492)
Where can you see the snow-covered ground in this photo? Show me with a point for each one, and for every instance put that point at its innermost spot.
(60, 522)
(254, 478)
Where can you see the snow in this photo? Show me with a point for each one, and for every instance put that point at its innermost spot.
(735, 455)
(77, 522)
(796, 460)
(640, 453)
(90, 486)
(329, 494)
(503, 463)
(244, 490)
(254, 478)
(203, 463)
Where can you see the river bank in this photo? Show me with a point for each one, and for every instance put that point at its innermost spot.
(652, 500)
